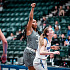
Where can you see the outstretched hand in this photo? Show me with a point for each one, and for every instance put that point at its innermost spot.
(4, 58)
(57, 52)
(33, 5)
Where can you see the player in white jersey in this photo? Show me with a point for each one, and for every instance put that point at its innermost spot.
(42, 52)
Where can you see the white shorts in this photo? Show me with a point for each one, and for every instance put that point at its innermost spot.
(40, 64)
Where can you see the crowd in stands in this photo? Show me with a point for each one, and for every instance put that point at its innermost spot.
(61, 12)
(59, 37)
(20, 35)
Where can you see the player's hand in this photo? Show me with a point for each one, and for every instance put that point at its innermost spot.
(4, 58)
(57, 52)
(33, 5)
(52, 47)
(51, 56)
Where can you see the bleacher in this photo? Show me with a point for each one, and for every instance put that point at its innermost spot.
(63, 22)
(15, 16)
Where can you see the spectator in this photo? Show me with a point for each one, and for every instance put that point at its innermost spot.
(55, 39)
(1, 1)
(61, 11)
(44, 22)
(19, 35)
(67, 41)
(1, 8)
(55, 47)
(62, 39)
(69, 51)
(51, 27)
(57, 24)
(67, 12)
(23, 35)
(10, 37)
(57, 31)
(55, 11)
(68, 32)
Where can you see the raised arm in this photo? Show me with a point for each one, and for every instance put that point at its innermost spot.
(29, 25)
(5, 45)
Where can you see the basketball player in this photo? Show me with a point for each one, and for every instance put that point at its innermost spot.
(5, 45)
(32, 37)
(43, 50)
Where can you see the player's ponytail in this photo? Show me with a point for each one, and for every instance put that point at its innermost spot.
(43, 35)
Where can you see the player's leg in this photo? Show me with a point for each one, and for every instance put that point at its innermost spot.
(39, 65)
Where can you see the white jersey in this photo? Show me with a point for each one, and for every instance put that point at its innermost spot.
(46, 48)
